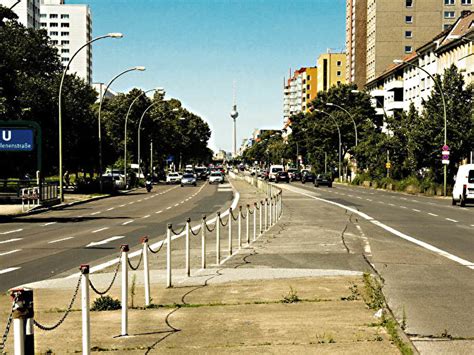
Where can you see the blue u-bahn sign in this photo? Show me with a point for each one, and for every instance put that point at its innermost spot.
(16, 140)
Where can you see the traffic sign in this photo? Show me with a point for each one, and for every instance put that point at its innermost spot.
(445, 148)
(16, 140)
(445, 161)
(388, 165)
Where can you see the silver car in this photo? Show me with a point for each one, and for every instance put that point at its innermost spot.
(188, 179)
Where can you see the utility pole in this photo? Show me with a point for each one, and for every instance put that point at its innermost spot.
(234, 114)
(388, 163)
(325, 162)
(151, 158)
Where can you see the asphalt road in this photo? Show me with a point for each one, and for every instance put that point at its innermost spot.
(423, 248)
(41, 246)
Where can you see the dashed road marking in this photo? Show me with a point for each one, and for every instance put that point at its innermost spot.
(414, 209)
(433, 214)
(10, 232)
(368, 199)
(100, 230)
(128, 222)
(94, 213)
(452, 220)
(391, 204)
(168, 208)
(131, 203)
(10, 252)
(176, 205)
(122, 206)
(403, 207)
(48, 224)
(147, 216)
(11, 240)
(111, 208)
(105, 241)
(10, 269)
(158, 212)
(60, 240)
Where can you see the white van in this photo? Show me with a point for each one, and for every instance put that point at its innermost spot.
(274, 169)
(463, 190)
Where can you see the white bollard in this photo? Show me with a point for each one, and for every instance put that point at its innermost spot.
(260, 217)
(19, 336)
(239, 231)
(168, 256)
(146, 271)
(218, 238)
(266, 214)
(124, 300)
(230, 231)
(203, 243)
(86, 324)
(271, 211)
(255, 221)
(247, 224)
(22, 314)
(188, 248)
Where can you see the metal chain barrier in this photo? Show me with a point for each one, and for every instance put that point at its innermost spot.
(198, 231)
(7, 328)
(178, 233)
(157, 251)
(209, 229)
(101, 293)
(68, 310)
(231, 213)
(243, 215)
(222, 223)
(250, 210)
(139, 262)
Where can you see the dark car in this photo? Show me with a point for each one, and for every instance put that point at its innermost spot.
(323, 179)
(295, 175)
(282, 176)
(307, 176)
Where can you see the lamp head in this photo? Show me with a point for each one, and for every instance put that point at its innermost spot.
(140, 68)
(182, 118)
(355, 91)
(329, 104)
(398, 61)
(115, 35)
(159, 89)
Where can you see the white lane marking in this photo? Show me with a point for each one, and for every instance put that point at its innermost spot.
(128, 222)
(140, 200)
(391, 204)
(94, 213)
(432, 214)
(11, 240)
(111, 208)
(146, 216)
(359, 197)
(60, 240)
(414, 209)
(48, 224)
(350, 195)
(158, 212)
(403, 207)
(403, 198)
(105, 241)
(10, 269)
(10, 232)
(457, 259)
(100, 230)
(176, 205)
(368, 199)
(367, 249)
(131, 203)
(381, 202)
(10, 252)
(452, 220)
(122, 206)
(168, 208)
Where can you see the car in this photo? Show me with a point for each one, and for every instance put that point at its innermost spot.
(173, 178)
(307, 176)
(295, 175)
(274, 169)
(323, 179)
(463, 190)
(116, 176)
(216, 176)
(282, 176)
(201, 172)
(188, 179)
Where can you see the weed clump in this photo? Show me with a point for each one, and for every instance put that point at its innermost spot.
(105, 303)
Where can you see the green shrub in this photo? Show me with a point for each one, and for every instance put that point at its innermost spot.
(105, 303)
(360, 178)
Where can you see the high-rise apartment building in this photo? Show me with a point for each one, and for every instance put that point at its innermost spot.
(396, 27)
(69, 27)
(28, 11)
(356, 42)
(331, 70)
(299, 90)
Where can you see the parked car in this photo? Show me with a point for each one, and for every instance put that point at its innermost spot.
(274, 169)
(115, 176)
(173, 178)
(295, 175)
(307, 176)
(188, 179)
(282, 176)
(216, 177)
(463, 190)
(323, 179)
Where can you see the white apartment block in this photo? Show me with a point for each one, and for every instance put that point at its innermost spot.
(69, 28)
(28, 11)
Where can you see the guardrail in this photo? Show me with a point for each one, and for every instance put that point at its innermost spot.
(249, 228)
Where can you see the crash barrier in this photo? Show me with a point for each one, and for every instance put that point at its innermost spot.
(251, 222)
(30, 198)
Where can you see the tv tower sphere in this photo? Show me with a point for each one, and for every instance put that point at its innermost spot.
(234, 114)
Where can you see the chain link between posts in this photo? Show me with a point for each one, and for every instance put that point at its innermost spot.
(7, 328)
(231, 213)
(156, 251)
(211, 229)
(178, 233)
(198, 231)
(68, 310)
(138, 265)
(222, 223)
(249, 209)
(101, 293)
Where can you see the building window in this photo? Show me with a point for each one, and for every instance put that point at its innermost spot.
(64, 59)
(64, 33)
(408, 49)
(338, 73)
(63, 43)
(43, 24)
(308, 77)
(409, 3)
(466, 2)
(53, 42)
(449, 14)
(65, 50)
(43, 16)
(65, 25)
(53, 33)
(308, 87)
(53, 24)
(449, 2)
(63, 16)
(338, 63)
(446, 26)
(53, 15)
(408, 19)
(408, 34)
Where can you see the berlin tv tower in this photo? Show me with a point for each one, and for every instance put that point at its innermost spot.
(234, 114)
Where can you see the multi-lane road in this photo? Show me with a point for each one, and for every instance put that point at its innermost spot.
(41, 246)
(422, 247)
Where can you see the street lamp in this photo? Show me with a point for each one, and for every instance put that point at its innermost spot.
(161, 90)
(330, 104)
(340, 143)
(109, 35)
(139, 68)
(438, 84)
(11, 7)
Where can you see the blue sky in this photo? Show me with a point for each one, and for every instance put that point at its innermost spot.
(195, 49)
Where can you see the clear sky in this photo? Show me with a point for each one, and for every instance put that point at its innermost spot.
(195, 49)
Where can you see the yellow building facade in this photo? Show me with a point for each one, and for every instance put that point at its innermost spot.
(331, 70)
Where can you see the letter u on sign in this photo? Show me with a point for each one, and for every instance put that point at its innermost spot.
(7, 136)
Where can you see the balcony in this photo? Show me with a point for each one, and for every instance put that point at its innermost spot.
(396, 106)
(394, 84)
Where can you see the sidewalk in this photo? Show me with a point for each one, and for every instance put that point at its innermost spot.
(297, 289)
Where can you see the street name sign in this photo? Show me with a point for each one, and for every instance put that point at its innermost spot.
(15, 140)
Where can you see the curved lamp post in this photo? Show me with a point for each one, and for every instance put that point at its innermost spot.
(109, 35)
(438, 84)
(340, 143)
(139, 129)
(11, 7)
(126, 120)
(100, 110)
(330, 104)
